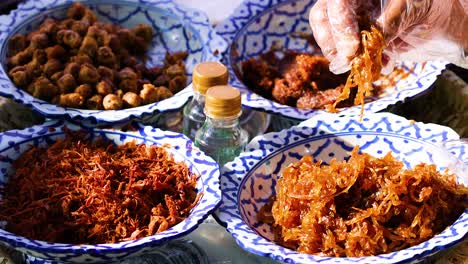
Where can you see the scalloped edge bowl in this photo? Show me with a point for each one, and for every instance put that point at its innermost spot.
(244, 22)
(248, 181)
(14, 142)
(192, 19)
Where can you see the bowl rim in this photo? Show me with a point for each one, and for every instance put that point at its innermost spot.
(231, 216)
(179, 145)
(232, 28)
(195, 20)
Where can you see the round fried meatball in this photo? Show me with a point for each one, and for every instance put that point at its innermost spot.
(88, 47)
(104, 87)
(69, 37)
(52, 66)
(127, 73)
(85, 90)
(144, 31)
(106, 57)
(16, 44)
(112, 102)
(55, 52)
(106, 73)
(72, 68)
(66, 83)
(177, 83)
(81, 27)
(56, 76)
(131, 100)
(150, 94)
(129, 85)
(74, 100)
(88, 74)
(21, 57)
(95, 102)
(81, 59)
(39, 40)
(21, 75)
(76, 11)
(49, 27)
(126, 37)
(44, 89)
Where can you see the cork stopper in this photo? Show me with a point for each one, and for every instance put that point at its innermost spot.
(208, 74)
(223, 101)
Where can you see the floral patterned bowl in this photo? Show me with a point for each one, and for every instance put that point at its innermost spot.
(177, 29)
(257, 25)
(14, 142)
(248, 182)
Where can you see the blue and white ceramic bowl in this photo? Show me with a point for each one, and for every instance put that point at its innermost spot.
(177, 29)
(257, 25)
(248, 182)
(14, 142)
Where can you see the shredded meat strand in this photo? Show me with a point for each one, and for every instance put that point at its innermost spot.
(76, 191)
(361, 207)
(365, 69)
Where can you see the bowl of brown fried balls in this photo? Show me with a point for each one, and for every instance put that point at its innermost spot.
(103, 61)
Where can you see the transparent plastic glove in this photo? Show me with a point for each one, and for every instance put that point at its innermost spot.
(416, 30)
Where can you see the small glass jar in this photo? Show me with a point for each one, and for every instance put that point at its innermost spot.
(221, 136)
(205, 75)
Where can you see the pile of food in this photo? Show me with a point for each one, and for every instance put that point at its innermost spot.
(304, 80)
(361, 207)
(80, 62)
(81, 192)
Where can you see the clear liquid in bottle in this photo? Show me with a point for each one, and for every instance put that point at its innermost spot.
(194, 117)
(205, 75)
(222, 143)
(221, 136)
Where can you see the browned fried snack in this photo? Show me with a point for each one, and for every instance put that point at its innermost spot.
(66, 83)
(104, 87)
(74, 100)
(289, 79)
(112, 102)
(84, 90)
(21, 75)
(97, 191)
(131, 99)
(95, 102)
(82, 55)
(150, 93)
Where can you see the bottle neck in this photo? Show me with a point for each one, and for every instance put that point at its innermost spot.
(223, 122)
(198, 97)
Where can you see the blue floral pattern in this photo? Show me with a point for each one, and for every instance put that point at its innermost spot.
(248, 182)
(257, 25)
(177, 29)
(15, 142)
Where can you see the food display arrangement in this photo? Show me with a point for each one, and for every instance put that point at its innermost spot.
(299, 165)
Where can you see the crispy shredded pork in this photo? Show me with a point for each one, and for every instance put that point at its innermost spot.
(361, 207)
(77, 191)
(365, 68)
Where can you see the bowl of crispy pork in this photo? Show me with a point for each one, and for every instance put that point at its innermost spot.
(78, 194)
(337, 190)
(274, 60)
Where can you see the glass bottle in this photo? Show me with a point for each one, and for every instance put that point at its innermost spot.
(221, 136)
(205, 75)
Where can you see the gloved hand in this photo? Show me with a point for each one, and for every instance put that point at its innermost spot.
(415, 30)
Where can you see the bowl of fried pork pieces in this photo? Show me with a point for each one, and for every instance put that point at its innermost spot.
(339, 190)
(72, 193)
(274, 60)
(103, 61)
